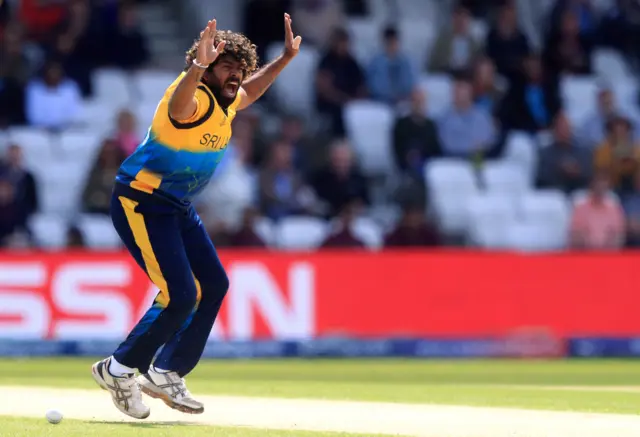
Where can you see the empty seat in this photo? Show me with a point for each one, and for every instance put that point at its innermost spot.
(98, 116)
(60, 187)
(610, 65)
(144, 112)
(489, 216)
(99, 232)
(80, 147)
(112, 87)
(416, 40)
(295, 86)
(151, 85)
(521, 150)
(368, 126)
(49, 230)
(368, 231)
(548, 210)
(534, 237)
(37, 145)
(505, 178)
(301, 233)
(579, 97)
(386, 216)
(450, 183)
(438, 89)
(365, 38)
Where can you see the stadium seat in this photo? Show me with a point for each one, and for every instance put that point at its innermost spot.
(609, 65)
(60, 186)
(365, 36)
(113, 87)
(368, 231)
(301, 233)
(98, 116)
(386, 216)
(49, 230)
(37, 145)
(438, 89)
(505, 178)
(579, 95)
(580, 195)
(416, 40)
(296, 84)
(450, 183)
(151, 85)
(626, 93)
(489, 217)
(99, 232)
(80, 147)
(534, 237)
(144, 112)
(368, 126)
(264, 228)
(521, 150)
(548, 211)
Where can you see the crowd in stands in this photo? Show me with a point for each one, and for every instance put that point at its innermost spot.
(501, 84)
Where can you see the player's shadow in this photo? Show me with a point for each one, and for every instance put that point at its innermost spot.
(149, 424)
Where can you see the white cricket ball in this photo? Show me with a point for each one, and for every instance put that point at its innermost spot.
(54, 416)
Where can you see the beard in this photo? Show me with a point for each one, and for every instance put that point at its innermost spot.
(222, 99)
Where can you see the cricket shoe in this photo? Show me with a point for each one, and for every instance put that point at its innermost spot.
(125, 391)
(171, 389)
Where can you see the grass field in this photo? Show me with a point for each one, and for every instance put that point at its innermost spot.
(593, 386)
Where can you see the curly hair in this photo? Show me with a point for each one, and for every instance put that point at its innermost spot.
(237, 45)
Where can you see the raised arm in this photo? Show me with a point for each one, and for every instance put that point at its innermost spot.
(183, 104)
(256, 85)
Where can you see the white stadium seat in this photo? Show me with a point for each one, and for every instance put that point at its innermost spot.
(489, 217)
(49, 230)
(579, 96)
(505, 178)
(439, 89)
(368, 126)
(533, 237)
(295, 86)
(113, 87)
(99, 232)
(450, 183)
(521, 150)
(60, 186)
(98, 116)
(37, 145)
(80, 147)
(301, 233)
(416, 40)
(609, 65)
(547, 210)
(365, 37)
(368, 231)
(144, 112)
(151, 85)
(265, 229)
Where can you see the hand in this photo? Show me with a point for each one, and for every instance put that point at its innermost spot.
(207, 52)
(291, 44)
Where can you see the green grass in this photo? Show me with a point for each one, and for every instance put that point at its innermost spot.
(23, 427)
(510, 383)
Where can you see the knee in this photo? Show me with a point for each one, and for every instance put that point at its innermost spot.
(214, 289)
(182, 304)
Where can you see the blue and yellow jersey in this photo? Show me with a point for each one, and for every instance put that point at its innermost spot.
(177, 159)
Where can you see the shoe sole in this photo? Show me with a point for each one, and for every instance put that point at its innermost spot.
(159, 394)
(103, 386)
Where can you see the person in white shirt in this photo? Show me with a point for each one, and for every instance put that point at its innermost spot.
(53, 101)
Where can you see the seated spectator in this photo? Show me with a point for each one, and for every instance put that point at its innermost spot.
(597, 222)
(282, 190)
(466, 130)
(339, 80)
(75, 238)
(582, 9)
(9, 212)
(486, 93)
(340, 181)
(96, 197)
(343, 236)
(24, 184)
(532, 101)
(415, 137)
(506, 45)
(12, 106)
(566, 50)
(564, 165)
(618, 155)
(413, 230)
(126, 134)
(54, 101)
(593, 130)
(16, 64)
(317, 18)
(308, 151)
(245, 236)
(391, 75)
(455, 48)
(631, 202)
(129, 46)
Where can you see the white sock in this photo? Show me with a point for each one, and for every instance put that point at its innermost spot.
(117, 369)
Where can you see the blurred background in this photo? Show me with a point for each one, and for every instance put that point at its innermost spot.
(500, 124)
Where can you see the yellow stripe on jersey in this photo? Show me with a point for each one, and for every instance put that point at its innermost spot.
(146, 181)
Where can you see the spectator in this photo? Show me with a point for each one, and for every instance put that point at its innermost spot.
(129, 46)
(15, 65)
(282, 191)
(9, 211)
(317, 18)
(455, 49)
(486, 93)
(96, 196)
(54, 101)
(340, 182)
(245, 236)
(632, 212)
(415, 137)
(126, 134)
(593, 130)
(583, 11)
(75, 238)
(466, 130)
(413, 230)
(232, 189)
(563, 165)
(506, 45)
(618, 155)
(342, 236)
(566, 50)
(619, 30)
(532, 101)
(339, 80)
(308, 152)
(597, 222)
(24, 184)
(391, 76)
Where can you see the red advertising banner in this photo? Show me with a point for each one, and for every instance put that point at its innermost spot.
(299, 296)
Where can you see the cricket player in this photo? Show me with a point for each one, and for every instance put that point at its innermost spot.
(152, 212)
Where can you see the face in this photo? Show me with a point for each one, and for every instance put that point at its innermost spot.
(461, 21)
(292, 129)
(13, 42)
(462, 95)
(620, 131)
(6, 192)
(282, 156)
(126, 122)
(53, 75)
(413, 218)
(225, 79)
(600, 186)
(507, 19)
(418, 101)
(392, 45)
(533, 68)
(485, 72)
(341, 158)
(562, 129)
(128, 17)
(570, 24)
(14, 156)
(605, 101)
